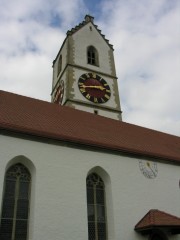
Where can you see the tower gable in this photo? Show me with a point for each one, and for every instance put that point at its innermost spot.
(88, 19)
(82, 40)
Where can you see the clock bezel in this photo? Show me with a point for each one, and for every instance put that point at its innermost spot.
(99, 92)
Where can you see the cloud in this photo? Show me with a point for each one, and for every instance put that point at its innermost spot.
(42, 11)
(30, 42)
(146, 39)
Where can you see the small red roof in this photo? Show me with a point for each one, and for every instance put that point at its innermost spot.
(43, 119)
(155, 218)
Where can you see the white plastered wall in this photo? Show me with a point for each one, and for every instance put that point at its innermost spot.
(58, 207)
(100, 112)
(64, 62)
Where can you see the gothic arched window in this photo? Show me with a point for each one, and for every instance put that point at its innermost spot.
(92, 56)
(96, 207)
(157, 236)
(16, 200)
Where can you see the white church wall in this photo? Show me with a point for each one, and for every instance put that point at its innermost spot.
(137, 194)
(58, 205)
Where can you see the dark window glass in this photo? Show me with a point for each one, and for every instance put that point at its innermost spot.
(92, 56)
(21, 230)
(96, 207)
(15, 207)
(91, 231)
(6, 229)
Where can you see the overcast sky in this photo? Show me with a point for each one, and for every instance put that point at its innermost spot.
(145, 35)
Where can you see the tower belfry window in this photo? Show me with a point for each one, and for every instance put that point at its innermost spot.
(15, 207)
(96, 207)
(92, 56)
(59, 65)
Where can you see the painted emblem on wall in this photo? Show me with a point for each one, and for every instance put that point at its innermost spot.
(148, 168)
(94, 88)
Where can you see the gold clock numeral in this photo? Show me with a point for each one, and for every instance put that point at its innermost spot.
(87, 75)
(80, 84)
(106, 96)
(88, 96)
(93, 75)
(82, 78)
(108, 91)
(102, 100)
(82, 90)
(95, 100)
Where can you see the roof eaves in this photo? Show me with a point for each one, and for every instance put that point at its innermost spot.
(85, 142)
(154, 219)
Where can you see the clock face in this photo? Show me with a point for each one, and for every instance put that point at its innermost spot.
(149, 169)
(58, 96)
(94, 88)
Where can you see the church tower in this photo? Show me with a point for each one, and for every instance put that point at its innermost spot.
(84, 75)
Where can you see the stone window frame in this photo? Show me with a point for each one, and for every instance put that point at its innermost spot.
(92, 56)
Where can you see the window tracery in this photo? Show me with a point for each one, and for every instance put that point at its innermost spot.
(15, 207)
(96, 207)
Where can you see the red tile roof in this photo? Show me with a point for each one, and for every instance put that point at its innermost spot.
(39, 118)
(155, 218)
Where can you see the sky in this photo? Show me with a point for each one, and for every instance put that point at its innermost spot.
(145, 35)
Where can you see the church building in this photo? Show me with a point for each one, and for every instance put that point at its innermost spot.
(72, 169)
